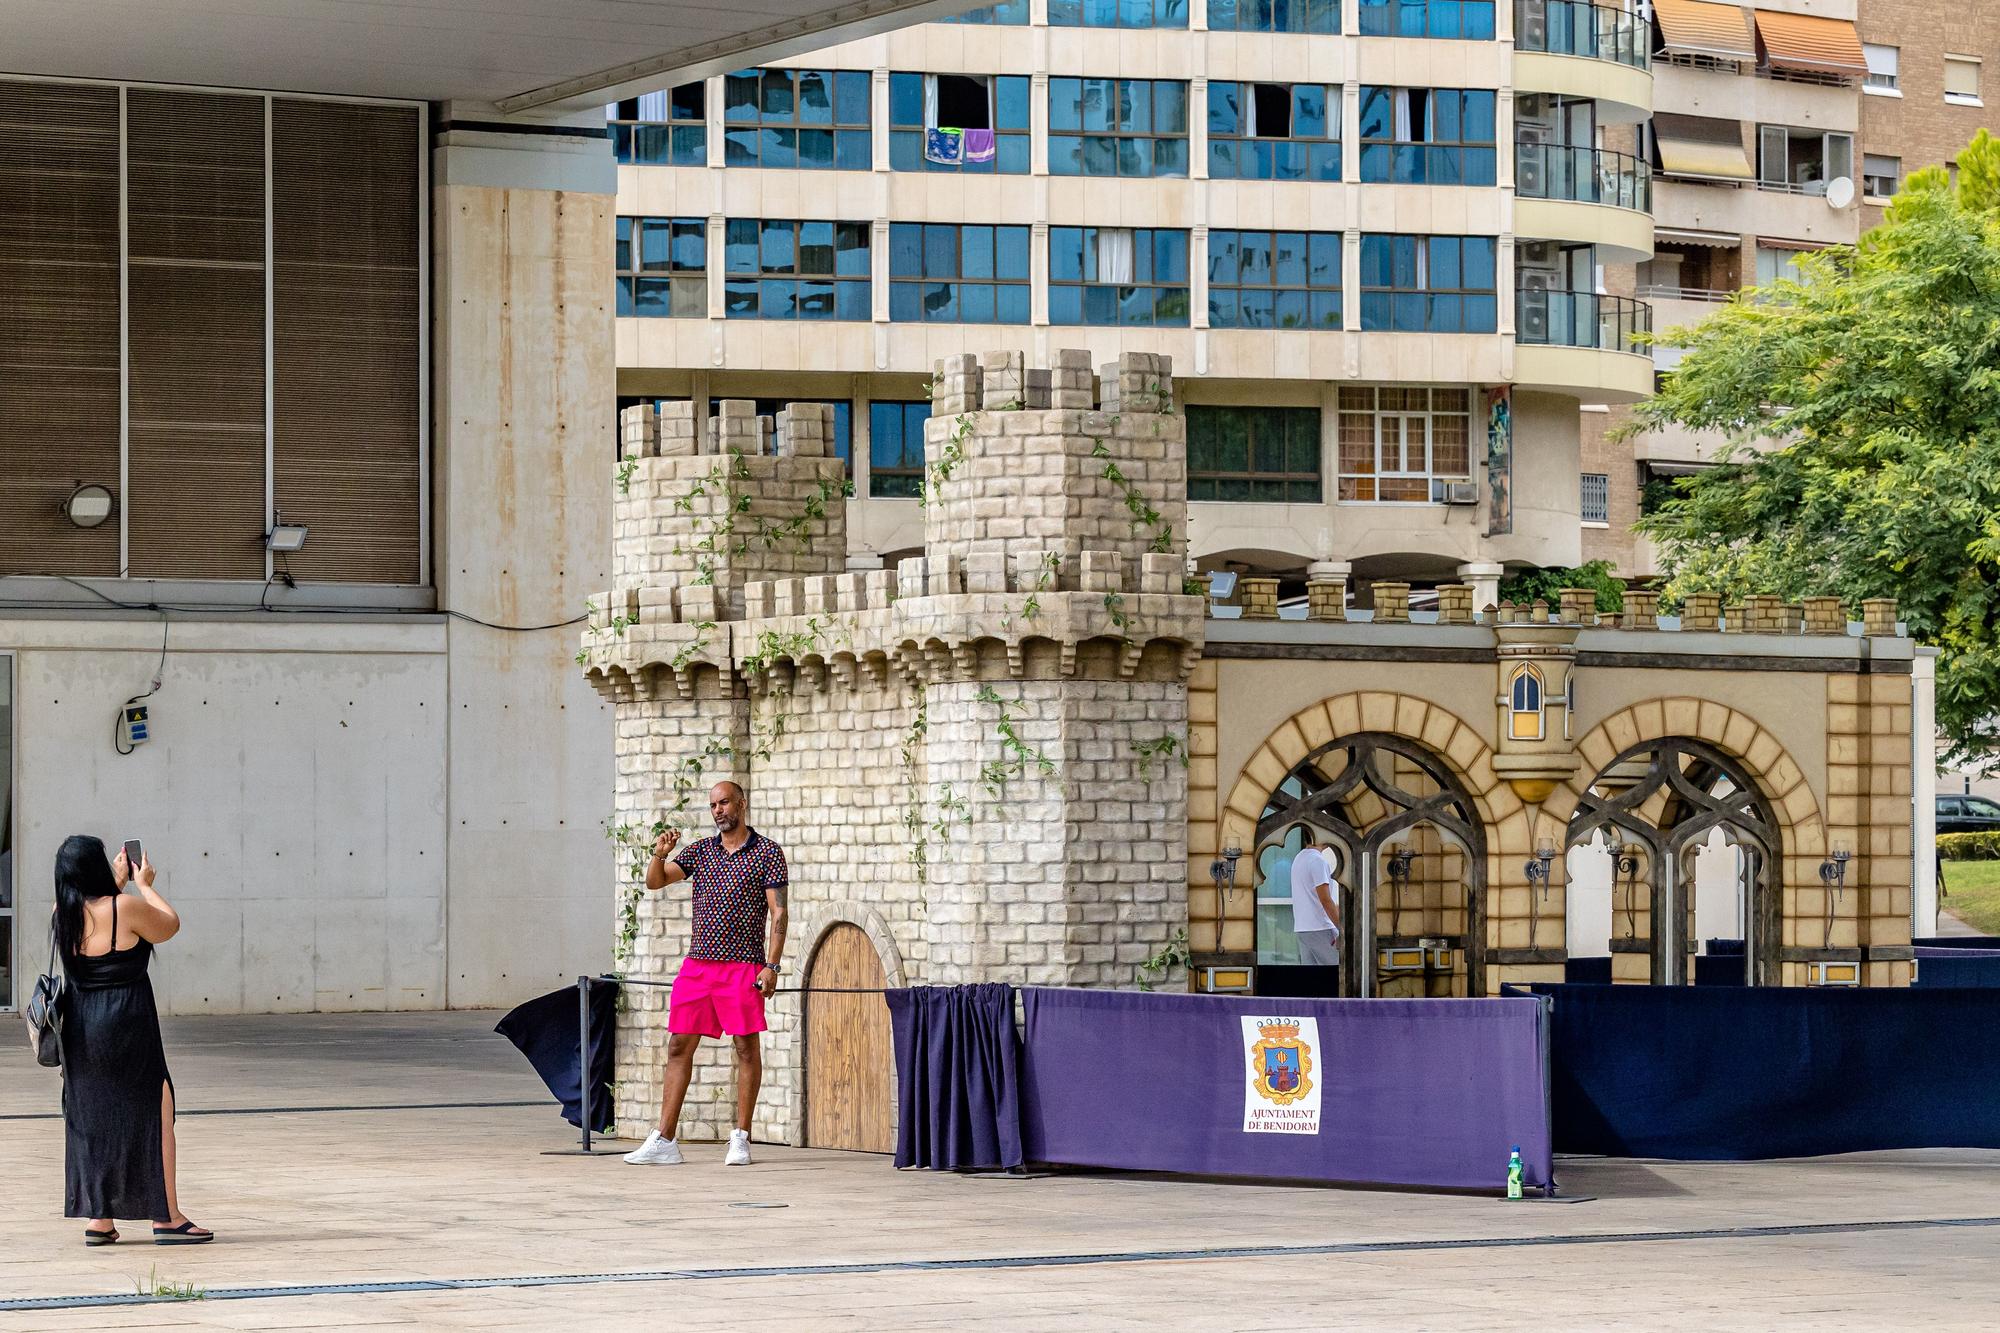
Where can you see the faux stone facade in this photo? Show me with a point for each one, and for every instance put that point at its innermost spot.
(980, 758)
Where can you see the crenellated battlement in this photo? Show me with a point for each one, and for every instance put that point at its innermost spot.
(1018, 462)
(1758, 613)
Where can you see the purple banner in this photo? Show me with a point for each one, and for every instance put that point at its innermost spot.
(1397, 1092)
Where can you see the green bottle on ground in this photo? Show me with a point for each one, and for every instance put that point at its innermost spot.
(1514, 1174)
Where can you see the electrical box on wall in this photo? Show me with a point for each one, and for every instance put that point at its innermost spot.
(133, 728)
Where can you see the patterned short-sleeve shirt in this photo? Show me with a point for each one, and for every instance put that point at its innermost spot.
(730, 910)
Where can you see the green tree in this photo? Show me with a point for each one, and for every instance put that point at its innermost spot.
(1862, 409)
(1547, 585)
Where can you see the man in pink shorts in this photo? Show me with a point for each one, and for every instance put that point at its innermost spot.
(739, 879)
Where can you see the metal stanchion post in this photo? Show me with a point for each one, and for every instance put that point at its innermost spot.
(583, 1055)
(587, 1092)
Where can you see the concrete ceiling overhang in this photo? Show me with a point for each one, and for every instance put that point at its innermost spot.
(535, 59)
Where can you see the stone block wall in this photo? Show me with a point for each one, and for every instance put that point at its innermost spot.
(709, 505)
(1008, 473)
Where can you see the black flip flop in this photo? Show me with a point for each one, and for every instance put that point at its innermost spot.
(184, 1234)
(96, 1238)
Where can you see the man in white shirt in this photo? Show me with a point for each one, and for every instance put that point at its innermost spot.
(1315, 911)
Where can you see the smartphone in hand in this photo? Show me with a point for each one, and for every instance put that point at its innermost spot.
(133, 855)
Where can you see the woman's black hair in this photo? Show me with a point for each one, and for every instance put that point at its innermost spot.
(83, 872)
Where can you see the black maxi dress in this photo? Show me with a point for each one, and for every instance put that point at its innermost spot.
(113, 1069)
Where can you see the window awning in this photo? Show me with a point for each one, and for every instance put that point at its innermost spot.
(1785, 243)
(1701, 28)
(1716, 240)
(1701, 146)
(1811, 45)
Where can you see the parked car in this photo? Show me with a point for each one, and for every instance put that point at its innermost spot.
(1968, 814)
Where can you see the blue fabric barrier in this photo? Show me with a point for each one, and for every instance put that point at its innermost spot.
(1959, 942)
(1958, 967)
(545, 1029)
(957, 1073)
(1594, 971)
(1409, 1092)
(1747, 1073)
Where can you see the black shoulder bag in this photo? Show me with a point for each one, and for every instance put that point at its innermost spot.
(44, 1011)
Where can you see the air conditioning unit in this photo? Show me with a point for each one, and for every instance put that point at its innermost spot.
(1454, 492)
(1532, 318)
(1530, 173)
(1533, 34)
(1538, 254)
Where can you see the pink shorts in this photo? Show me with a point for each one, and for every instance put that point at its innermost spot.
(711, 998)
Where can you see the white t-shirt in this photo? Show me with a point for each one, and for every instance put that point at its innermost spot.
(1309, 871)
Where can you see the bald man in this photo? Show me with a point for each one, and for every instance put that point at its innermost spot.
(739, 879)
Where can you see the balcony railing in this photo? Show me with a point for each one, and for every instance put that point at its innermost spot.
(1662, 292)
(1580, 319)
(1584, 175)
(1578, 28)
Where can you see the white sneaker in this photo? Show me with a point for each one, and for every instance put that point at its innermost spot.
(739, 1149)
(657, 1150)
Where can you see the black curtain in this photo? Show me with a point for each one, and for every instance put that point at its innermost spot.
(546, 1030)
(957, 1065)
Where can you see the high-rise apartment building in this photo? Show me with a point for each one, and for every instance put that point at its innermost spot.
(1369, 235)
(1777, 129)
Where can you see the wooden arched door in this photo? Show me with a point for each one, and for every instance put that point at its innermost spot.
(850, 1057)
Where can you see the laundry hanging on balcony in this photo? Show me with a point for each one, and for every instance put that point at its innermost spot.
(968, 101)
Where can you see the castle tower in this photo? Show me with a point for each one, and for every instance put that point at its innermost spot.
(978, 759)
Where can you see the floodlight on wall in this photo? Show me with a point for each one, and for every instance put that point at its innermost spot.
(1222, 584)
(88, 506)
(284, 538)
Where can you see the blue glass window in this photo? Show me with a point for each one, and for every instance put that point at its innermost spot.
(1466, 20)
(815, 119)
(1008, 13)
(896, 449)
(775, 269)
(1118, 276)
(984, 102)
(943, 273)
(1427, 136)
(663, 267)
(1118, 127)
(1261, 454)
(1308, 16)
(1428, 284)
(1274, 280)
(1118, 13)
(668, 129)
(1274, 131)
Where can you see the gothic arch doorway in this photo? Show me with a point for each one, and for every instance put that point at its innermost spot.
(1410, 857)
(1694, 854)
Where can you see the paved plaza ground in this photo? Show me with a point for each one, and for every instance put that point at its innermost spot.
(355, 1155)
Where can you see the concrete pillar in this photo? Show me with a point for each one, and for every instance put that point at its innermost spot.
(1484, 576)
(525, 379)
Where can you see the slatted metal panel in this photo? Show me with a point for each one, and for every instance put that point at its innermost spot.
(195, 292)
(347, 439)
(59, 334)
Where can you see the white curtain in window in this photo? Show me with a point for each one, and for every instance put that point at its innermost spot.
(1405, 100)
(930, 102)
(1115, 254)
(1248, 92)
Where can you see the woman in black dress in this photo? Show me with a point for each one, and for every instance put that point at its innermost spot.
(118, 1099)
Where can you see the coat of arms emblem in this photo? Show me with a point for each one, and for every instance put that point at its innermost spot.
(1281, 1062)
